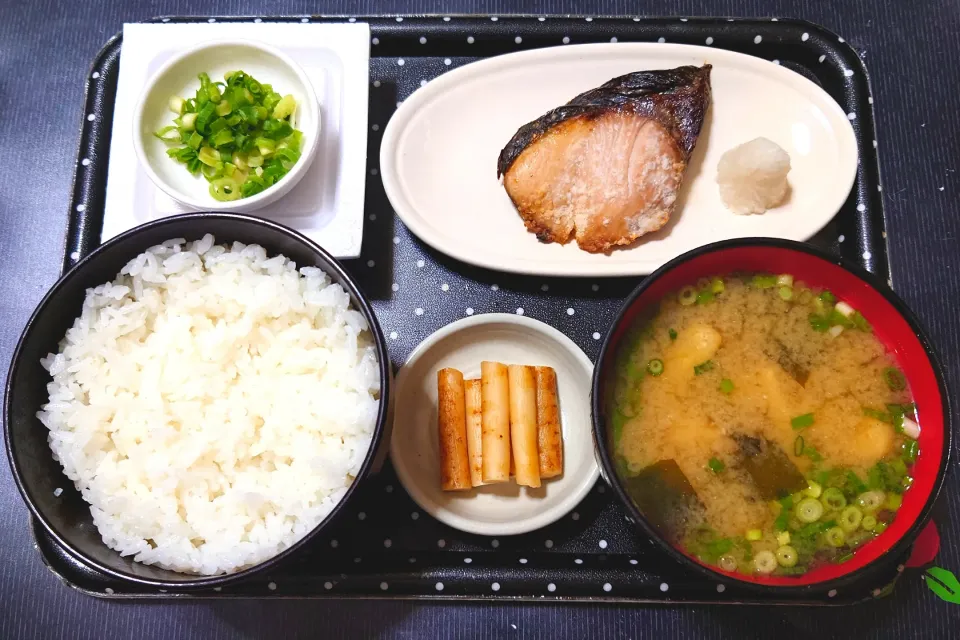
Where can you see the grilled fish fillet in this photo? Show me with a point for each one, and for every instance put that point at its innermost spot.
(606, 167)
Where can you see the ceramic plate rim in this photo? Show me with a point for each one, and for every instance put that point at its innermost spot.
(840, 124)
(539, 519)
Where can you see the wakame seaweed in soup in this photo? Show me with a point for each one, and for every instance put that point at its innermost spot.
(760, 424)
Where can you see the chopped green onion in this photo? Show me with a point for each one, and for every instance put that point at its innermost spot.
(225, 189)
(189, 122)
(910, 428)
(687, 296)
(893, 501)
(176, 104)
(754, 534)
(798, 446)
(801, 422)
(221, 138)
(812, 453)
(785, 280)
(266, 146)
(868, 523)
(860, 322)
(704, 297)
(899, 467)
(211, 172)
(808, 510)
(672, 333)
(786, 556)
(717, 286)
(785, 293)
(854, 484)
(870, 501)
(655, 367)
(835, 536)
(880, 528)
(170, 135)
(727, 563)
(827, 298)
(276, 129)
(205, 117)
(239, 119)
(726, 386)
(208, 156)
(763, 281)
(284, 108)
(818, 323)
(876, 414)
(813, 489)
(821, 308)
(910, 451)
(782, 522)
(765, 562)
(703, 367)
(832, 498)
(845, 557)
(894, 379)
(837, 319)
(783, 538)
(844, 309)
(716, 465)
(849, 519)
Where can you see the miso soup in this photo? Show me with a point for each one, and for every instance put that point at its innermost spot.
(767, 420)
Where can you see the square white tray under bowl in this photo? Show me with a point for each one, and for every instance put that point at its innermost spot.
(327, 203)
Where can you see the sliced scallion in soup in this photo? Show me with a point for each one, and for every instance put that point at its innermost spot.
(769, 413)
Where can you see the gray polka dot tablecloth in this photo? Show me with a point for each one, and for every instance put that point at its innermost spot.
(384, 546)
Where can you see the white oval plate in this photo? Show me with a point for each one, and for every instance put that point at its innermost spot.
(506, 508)
(439, 154)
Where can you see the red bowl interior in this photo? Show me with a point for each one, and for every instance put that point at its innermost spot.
(889, 326)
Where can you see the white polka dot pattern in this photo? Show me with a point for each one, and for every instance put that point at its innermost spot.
(447, 291)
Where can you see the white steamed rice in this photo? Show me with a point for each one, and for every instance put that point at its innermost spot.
(212, 405)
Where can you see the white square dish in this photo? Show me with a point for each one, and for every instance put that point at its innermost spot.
(327, 204)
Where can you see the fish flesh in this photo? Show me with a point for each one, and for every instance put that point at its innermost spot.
(606, 167)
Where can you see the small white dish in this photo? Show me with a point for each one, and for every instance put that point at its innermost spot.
(439, 154)
(506, 508)
(327, 204)
(178, 77)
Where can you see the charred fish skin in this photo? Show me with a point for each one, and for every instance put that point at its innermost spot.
(606, 167)
(676, 98)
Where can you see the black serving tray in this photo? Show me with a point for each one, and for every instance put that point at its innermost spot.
(384, 546)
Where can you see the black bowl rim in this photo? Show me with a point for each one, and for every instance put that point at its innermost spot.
(332, 266)
(609, 471)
